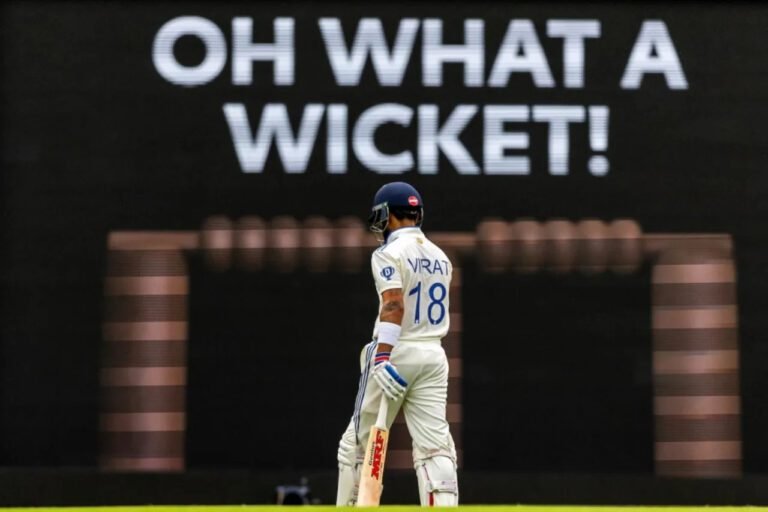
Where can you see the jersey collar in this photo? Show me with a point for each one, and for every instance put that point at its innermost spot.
(408, 230)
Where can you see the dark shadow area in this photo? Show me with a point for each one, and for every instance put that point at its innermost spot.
(557, 372)
(273, 366)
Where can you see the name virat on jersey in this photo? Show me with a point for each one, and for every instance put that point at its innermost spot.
(428, 266)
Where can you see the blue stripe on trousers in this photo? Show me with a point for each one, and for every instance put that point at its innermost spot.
(363, 384)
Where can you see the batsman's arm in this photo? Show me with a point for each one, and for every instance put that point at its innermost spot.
(390, 320)
(392, 310)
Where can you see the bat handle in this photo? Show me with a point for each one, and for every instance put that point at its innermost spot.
(381, 419)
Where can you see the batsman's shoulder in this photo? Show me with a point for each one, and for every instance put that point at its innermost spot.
(393, 248)
(384, 255)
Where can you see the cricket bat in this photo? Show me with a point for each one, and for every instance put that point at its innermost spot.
(372, 470)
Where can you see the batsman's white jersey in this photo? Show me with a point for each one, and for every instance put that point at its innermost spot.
(422, 270)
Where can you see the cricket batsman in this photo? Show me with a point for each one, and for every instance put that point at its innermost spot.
(405, 361)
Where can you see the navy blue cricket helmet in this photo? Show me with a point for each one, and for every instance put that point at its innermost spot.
(399, 198)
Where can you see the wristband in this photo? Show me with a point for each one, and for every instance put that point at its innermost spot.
(381, 357)
(389, 333)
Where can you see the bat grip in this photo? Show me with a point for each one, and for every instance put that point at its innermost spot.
(381, 419)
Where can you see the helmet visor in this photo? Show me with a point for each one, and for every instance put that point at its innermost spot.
(379, 218)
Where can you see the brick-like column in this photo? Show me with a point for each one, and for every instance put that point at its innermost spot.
(216, 241)
(250, 243)
(696, 365)
(351, 251)
(144, 369)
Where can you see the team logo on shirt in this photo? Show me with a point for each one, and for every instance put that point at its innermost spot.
(387, 273)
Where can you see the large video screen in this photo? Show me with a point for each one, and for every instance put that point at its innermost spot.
(150, 119)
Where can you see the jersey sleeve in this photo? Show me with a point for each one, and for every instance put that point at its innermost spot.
(386, 271)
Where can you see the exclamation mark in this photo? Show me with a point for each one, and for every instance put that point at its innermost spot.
(598, 139)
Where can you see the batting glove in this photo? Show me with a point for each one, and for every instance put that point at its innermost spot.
(386, 376)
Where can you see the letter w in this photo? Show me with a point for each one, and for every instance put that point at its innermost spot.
(389, 65)
(294, 151)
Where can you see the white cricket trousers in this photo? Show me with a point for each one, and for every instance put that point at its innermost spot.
(424, 367)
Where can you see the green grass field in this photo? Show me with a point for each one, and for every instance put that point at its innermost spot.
(393, 508)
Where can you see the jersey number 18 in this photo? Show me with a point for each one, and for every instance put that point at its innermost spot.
(436, 307)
